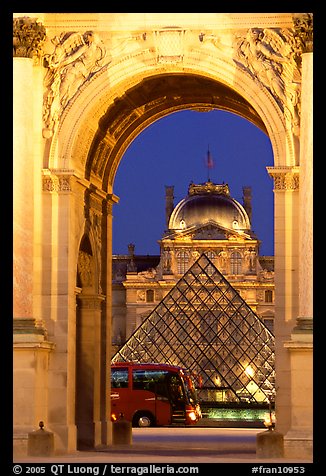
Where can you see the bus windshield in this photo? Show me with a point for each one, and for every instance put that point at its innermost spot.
(190, 390)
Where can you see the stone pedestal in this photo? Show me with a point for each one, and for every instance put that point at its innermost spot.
(269, 444)
(121, 432)
(30, 371)
(298, 441)
(40, 442)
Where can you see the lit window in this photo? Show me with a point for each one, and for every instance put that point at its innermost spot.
(182, 261)
(268, 296)
(149, 295)
(211, 256)
(236, 263)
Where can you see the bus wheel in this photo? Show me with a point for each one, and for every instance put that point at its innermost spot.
(143, 419)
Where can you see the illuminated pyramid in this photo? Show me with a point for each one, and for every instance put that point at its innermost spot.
(204, 325)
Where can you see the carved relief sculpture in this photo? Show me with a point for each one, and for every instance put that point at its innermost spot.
(75, 59)
(270, 56)
(85, 268)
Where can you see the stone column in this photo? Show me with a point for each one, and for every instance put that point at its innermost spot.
(88, 404)
(28, 35)
(111, 199)
(305, 318)
(31, 348)
(61, 217)
(298, 441)
(286, 224)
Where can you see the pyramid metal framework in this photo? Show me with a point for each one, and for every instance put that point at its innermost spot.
(204, 325)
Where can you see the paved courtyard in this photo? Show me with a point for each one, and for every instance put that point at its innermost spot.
(174, 445)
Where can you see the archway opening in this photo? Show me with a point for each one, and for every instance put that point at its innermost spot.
(88, 315)
(151, 99)
(143, 107)
(172, 151)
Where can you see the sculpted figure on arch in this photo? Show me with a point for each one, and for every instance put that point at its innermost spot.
(75, 59)
(271, 57)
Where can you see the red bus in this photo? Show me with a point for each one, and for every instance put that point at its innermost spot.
(153, 394)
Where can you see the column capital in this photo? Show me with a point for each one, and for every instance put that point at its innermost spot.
(57, 180)
(111, 199)
(285, 178)
(90, 301)
(303, 31)
(28, 37)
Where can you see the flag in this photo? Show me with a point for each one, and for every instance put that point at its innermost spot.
(209, 160)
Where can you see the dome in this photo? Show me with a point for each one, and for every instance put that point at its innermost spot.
(206, 203)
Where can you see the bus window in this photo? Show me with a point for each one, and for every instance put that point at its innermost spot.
(119, 378)
(151, 380)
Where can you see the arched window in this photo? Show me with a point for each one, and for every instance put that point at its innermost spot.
(235, 263)
(182, 261)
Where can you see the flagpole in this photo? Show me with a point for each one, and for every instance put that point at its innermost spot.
(209, 163)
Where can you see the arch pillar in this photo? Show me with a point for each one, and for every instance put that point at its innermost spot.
(31, 348)
(286, 228)
(88, 370)
(299, 439)
(108, 203)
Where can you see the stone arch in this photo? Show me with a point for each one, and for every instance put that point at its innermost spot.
(80, 154)
(83, 140)
(96, 129)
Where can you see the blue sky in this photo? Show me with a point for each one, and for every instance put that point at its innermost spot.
(172, 151)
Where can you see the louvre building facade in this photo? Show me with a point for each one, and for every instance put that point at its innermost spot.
(206, 302)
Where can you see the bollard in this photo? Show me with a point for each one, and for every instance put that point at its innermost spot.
(121, 431)
(40, 442)
(269, 444)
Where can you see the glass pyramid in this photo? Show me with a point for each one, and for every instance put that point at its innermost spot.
(204, 325)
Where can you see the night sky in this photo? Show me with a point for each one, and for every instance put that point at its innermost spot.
(173, 151)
